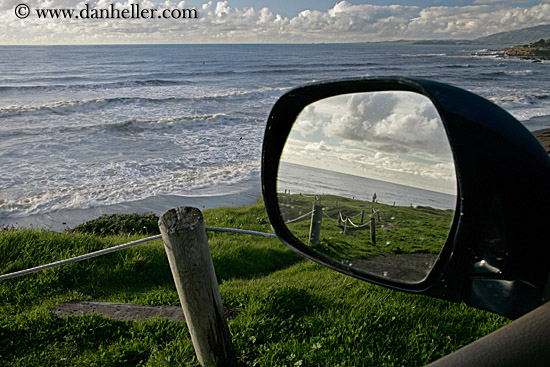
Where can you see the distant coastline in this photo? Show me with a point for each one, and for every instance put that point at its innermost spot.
(503, 39)
(539, 50)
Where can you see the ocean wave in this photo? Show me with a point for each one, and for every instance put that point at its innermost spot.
(519, 99)
(109, 188)
(94, 104)
(524, 106)
(458, 66)
(441, 54)
(130, 126)
(89, 86)
(501, 73)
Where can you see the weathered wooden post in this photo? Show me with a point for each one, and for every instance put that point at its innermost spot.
(186, 245)
(378, 214)
(315, 227)
(362, 216)
(372, 231)
(347, 226)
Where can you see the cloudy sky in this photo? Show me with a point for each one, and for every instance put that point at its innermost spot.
(274, 21)
(389, 136)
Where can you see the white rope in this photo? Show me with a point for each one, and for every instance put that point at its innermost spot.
(359, 226)
(297, 219)
(121, 247)
(332, 219)
(241, 231)
(356, 215)
(78, 258)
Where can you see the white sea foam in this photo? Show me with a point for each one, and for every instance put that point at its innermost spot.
(127, 185)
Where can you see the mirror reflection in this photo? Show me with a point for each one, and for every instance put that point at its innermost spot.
(368, 179)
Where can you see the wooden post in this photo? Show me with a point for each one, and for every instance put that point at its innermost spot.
(362, 216)
(372, 231)
(378, 214)
(315, 227)
(188, 253)
(347, 226)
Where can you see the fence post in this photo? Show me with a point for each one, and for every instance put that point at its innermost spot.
(372, 231)
(378, 214)
(186, 245)
(362, 216)
(347, 226)
(315, 227)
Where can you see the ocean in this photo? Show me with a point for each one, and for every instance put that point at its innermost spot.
(97, 129)
(297, 179)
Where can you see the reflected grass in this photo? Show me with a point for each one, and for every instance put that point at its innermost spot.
(398, 229)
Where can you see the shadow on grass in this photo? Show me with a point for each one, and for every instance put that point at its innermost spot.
(248, 260)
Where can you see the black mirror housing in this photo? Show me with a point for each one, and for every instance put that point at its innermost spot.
(496, 256)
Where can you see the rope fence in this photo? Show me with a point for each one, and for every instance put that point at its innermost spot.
(121, 247)
(343, 221)
(346, 221)
(358, 226)
(297, 219)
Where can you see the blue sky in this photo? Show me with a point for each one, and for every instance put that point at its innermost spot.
(270, 21)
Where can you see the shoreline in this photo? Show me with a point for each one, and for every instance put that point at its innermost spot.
(62, 220)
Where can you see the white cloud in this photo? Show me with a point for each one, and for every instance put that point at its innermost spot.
(219, 22)
(394, 122)
(389, 136)
(317, 147)
(502, 1)
(306, 123)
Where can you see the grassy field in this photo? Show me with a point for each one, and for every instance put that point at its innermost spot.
(290, 312)
(399, 230)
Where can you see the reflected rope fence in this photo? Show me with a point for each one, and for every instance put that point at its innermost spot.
(344, 221)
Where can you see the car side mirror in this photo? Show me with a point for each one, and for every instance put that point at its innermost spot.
(413, 185)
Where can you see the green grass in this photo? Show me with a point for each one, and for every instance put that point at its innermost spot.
(291, 312)
(398, 229)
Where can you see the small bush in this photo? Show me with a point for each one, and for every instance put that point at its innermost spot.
(121, 224)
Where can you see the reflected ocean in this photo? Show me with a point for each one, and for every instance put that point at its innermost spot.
(90, 126)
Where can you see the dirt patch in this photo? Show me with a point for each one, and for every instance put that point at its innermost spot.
(402, 267)
(125, 311)
(544, 137)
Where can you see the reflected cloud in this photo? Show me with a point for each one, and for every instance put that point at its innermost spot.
(396, 136)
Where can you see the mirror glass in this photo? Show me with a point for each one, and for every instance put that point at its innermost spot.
(368, 179)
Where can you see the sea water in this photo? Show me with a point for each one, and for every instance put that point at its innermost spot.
(86, 127)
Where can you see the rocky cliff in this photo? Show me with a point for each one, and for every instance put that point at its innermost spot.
(535, 50)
